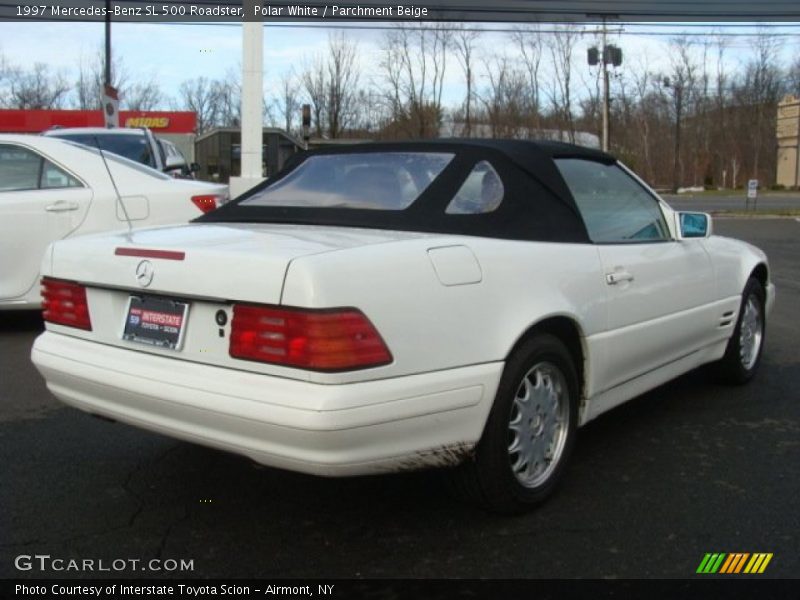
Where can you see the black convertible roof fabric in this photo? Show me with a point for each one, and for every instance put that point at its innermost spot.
(537, 205)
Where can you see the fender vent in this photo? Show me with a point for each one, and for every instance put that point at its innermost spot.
(727, 319)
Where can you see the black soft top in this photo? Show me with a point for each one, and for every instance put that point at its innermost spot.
(537, 204)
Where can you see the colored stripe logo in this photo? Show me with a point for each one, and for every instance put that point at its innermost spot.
(734, 563)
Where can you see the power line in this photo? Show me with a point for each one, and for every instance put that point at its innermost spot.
(675, 33)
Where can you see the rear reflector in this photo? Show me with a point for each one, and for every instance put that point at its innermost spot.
(320, 340)
(206, 203)
(146, 253)
(64, 303)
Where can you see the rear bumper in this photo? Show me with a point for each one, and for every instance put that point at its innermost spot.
(433, 419)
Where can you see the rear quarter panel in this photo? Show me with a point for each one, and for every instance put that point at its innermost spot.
(430, 326)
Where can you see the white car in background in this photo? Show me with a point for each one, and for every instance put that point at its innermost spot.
(394, 306)
(138, 144)
(51, 189)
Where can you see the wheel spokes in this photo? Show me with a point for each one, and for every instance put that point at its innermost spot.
(538, 424)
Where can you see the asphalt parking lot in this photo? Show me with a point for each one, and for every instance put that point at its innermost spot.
(766, 202)
(690, 468)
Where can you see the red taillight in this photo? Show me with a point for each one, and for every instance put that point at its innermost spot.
(206, 203)
(323, 340)
(64, 302)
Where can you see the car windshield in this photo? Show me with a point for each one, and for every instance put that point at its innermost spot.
(368, 180)
(134, 147)
(143, 169)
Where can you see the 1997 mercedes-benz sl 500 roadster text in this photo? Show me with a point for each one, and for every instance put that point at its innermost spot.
(382, 307)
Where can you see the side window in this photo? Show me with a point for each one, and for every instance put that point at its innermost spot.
(615, 208)
(53, 177)
(22, 169)
(481, 192)
(19, 169)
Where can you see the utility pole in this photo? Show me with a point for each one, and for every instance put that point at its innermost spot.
(606, 100)
(612, 55)
(677, 91)
(107, 77)
(677, 151)
(109, 94)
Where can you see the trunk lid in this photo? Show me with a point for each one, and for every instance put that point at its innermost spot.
(243, 262)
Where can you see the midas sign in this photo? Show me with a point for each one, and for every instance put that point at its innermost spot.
(150, 122)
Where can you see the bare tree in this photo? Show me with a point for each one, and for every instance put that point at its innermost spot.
(592, 102)
(228, 99)
(331, 86)
(200, 96)
(4, 73)
(504, 99)
(759, 89)
(315, 84)
(680, 80)
(562, 46)
(342, 85)
(642, 125)
(415, 64)
(529, 42)
(721, 134)
(144, 95)
(465, 41)
(88, 87)
(38, 88)
(392, 73)
(288, 103)
(793, 77)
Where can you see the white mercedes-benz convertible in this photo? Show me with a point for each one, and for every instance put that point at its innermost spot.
(385, 307)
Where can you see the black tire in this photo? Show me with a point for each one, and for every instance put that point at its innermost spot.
(737, 366)
(489, 476)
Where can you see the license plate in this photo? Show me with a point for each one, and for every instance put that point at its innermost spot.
(155, 321)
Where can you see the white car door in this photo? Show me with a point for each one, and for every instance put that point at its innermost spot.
(39, 202)
(659, 291)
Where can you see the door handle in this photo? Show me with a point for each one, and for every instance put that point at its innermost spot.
(617, 277)
(62, 206)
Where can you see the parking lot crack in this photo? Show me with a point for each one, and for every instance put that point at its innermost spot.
(168, 531)
(127, 484)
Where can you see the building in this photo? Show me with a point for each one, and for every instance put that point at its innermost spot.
(176, 126)
(219, 152)
(788, 134)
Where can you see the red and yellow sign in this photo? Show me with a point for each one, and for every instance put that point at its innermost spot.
(149, 122)
(36, 121)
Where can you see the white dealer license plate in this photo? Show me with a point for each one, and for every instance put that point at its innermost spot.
(155, 321)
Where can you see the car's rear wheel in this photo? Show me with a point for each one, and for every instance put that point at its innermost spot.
(530, 431)
(743, 353)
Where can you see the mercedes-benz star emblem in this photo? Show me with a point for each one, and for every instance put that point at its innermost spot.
(144, 273)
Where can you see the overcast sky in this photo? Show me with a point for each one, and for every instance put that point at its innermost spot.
(171, 53)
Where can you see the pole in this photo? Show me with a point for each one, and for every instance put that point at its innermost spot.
(107, 76)
(252, 108)
(605, 91)
(677, 148)
(797, 151)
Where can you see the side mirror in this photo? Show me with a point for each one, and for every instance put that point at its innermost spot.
(693, 225)
(174, 162)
